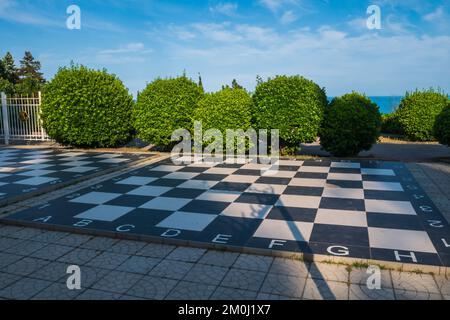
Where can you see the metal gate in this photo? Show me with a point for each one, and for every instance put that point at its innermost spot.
(20, 118)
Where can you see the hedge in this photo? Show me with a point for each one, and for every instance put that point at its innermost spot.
(442, 126)
(350, 125)
(87, 108)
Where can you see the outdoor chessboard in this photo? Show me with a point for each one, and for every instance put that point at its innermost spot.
(24, 171)
(359, 209)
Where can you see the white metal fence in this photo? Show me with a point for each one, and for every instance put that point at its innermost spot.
(20, 118)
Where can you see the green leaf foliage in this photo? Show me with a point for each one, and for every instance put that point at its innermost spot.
(390, 123)
(417, 113)
(442, 126)
(350, 125)
(87, 108)
(164, 106)
(292, 104)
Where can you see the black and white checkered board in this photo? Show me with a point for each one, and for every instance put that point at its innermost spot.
(24, 171)
(366, 209)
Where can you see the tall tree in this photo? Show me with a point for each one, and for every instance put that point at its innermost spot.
(30, 69)
(2, 70)
(10, 70)
(235, 84)
(200, 82)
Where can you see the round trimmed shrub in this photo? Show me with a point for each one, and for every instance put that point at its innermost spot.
(164, 106)
(87, 108)
(442, 126)
(226, 109)
(417, 113)
(390, 124)
(351, 124)
(294, 105)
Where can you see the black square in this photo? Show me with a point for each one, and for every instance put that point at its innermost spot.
(185, 193)
(194, 169)
(386, 195)
(369, 177)
(210, 177)
(286, 168)
(342, 204)
(340, 235)
(229, 165)
(247, 172)
(304, 191)
(127, 200)
(311, 175)
(344, 184)
(167, 182)
(237, 231)
(273, 180)
(393, 221)
(317, 163)
(231, 186)
(204, 206)
(345, 170)
(258, 198)
(292, 214)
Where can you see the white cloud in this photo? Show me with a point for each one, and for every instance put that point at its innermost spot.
(133, 47)
(227, 8)
(288, 17)
(274, 5)
(12, 12)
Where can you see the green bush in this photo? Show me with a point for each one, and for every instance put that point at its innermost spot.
(390, 123)
(294, 105)
(164, 106)
(87, 108)
(225, 109)
(442, 126)
(417, 113)
(350, 125)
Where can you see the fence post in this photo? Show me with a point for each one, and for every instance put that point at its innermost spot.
(5, 117)
(39, 115)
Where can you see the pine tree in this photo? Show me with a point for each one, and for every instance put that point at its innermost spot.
(30, 69)
(200, 82)
(236, 85)
(10, 70)
(2, 70)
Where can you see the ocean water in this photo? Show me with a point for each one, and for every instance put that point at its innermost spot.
(387, 104)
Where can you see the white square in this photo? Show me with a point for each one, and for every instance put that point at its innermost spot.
(96, 197)
(387, 206)
(381, 185)
(36, 181)
(279, 173)
(221, 171)
(163, 203)
(81, 169)
(198, 184)
(36, 173)
(151, 191)
(76, 163)
(266, 188)
(37, 156)
(36, 166)
(290, 163)
(113, 160)
(166, 168)
(108, 155)
(203, 164)
(407, 240)
(187, 221)
(341, 217)
(241, 178)
(345, 176)
(247, 210)
(305, 182)
(71, 154)
(137, 181)
(35, 161)
(349, 165)
(298, 201)
(7, 169)
(314, 169)
(255, 166)
(377, 172)
(73, 159)
(181, 175)
(104, 213)
(219, 195)
(346, 193)
(284, 230)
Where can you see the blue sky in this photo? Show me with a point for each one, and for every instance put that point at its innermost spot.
(324, 40)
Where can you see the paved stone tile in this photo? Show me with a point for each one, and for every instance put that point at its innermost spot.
(362, 292)
(27, 233)
(75, 240)
(52, 272)
(416, 295)
(130, 298)
(290, 267)
(211, 275)
(253, 262)
(79, 256)
(117, 281)
(24, 289)
(223, 293)
(268, 296)
(172, 269)
(9, 231)
(316, 289)
(6, 279)
(25, 266)
(191, 291)
(325, 271)
(57, 291)
(360, 277)
(108, 260)
(152, 288)
(8, 258)
(92, 294)
(284, 285)
(219, 258)
(443, 284)
(155, 250)
(50, 236)
(26, 247)
(8, 243)
(186, 254)
(244, 279)
(127, 247)
(90, 275)
(405, 281)
(99, 243)
(51, 252)
(138, 264)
